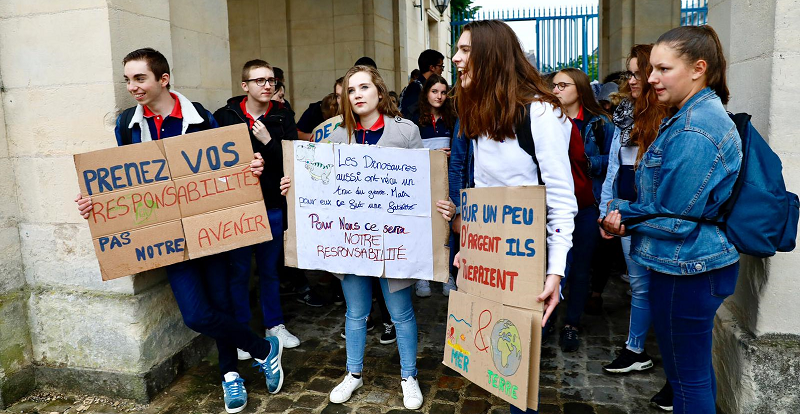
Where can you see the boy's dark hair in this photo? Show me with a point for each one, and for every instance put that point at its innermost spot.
(366, 61)
(278, 73)
(414, 75)
(613, 77)
(156, 62)
(429, 58)
(339, 83)
(253, 64)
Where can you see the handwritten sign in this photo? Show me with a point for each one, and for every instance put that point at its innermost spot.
(494, 318)
(324, 130)
(162, 202)
(366, 209)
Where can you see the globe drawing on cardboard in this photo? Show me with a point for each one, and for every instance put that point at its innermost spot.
(506, 347)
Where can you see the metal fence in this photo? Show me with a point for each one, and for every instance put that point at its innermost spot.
(565, 36)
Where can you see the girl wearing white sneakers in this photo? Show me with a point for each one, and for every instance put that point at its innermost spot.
(372, 118)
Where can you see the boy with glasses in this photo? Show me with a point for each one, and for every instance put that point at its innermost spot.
(200, 286)
(430, 62)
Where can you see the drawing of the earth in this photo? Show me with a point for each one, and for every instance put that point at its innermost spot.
(507, 349)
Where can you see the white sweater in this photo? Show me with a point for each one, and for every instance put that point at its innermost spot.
(505, 164)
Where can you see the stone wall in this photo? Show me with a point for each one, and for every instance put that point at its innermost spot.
(62, 89)
(757, 334)
(316, 41)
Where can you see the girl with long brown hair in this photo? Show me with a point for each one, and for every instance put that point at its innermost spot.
(436, 115)
(372, 118)
(573, 89)
(638, 116)
(496, 86)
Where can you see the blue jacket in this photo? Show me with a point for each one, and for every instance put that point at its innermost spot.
(689, 170)
(192, 121)
(596, 153)
(461, 170)
(610, 183)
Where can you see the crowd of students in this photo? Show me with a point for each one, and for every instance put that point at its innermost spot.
(662, 143)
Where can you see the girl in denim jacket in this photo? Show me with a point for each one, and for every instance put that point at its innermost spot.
(689, 170)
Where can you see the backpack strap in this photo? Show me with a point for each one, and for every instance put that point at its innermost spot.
(125, 120)
(525, 137)
(206, 124)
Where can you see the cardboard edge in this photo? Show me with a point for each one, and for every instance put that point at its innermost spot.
(536, 361)
(290, 235)
(440, 227)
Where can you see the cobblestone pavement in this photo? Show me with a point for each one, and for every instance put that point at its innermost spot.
(571, 383)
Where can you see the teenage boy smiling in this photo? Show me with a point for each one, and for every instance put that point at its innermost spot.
(200, 285)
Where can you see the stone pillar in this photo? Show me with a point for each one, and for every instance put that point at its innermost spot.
(757, 332)
(62, 89)
(624, 23)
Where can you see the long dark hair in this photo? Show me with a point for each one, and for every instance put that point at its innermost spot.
(503, 83)
(585, 94)
(446, 111)
(693, 43)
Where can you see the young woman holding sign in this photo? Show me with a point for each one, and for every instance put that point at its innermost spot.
(496, 84)
(370, 117)
(689, 169)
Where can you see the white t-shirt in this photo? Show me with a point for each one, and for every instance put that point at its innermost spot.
(506, 164)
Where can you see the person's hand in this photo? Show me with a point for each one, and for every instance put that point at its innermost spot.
(550, 296)
(261, 133)
(455, 225)
(447, 208)
(603, 233)
(84, 205)
(286, 183)
(613, 224)
(257, 165)
(456, 261)
(446, 151)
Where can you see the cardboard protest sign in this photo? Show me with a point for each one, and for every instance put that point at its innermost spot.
(161, 202)
(503, 244)
(495, 346)
(366, 209)
(325, 129)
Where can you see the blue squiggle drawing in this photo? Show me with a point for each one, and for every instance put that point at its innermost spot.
(460, 320)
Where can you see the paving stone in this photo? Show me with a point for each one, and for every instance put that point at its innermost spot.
(578, 408)
(609, 409)
(448, 382)
(474, 390)
(332, 408)
(475, 407)
(270, 405)
(310, 401)
(549, 409)
(376, 397)
(322, 385)
(439, 408)
(447, 395)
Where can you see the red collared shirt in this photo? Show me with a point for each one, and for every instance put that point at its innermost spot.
(250, 120)
(158, 120)
(369, 135)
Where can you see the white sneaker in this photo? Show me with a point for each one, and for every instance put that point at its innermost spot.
(449, 285)
(289, 340)
(412, 396)
(342, 392)
(423, 288)
(243, 355)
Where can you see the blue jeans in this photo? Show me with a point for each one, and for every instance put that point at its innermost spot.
(640, 302)
(683, 310)
(358, 296)
(267, 258)
(201, 290)
(579, 276)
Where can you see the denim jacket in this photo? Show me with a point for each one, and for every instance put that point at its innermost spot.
(597, 156)
(610, 183)
(461, 170)
(689, 170)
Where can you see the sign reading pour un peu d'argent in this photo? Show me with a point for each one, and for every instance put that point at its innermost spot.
(161, 202)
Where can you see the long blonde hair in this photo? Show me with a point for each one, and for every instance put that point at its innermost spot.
(385, 104)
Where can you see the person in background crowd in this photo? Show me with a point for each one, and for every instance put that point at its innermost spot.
(604, 97)
(436, 118)
(280, 92)
(430, 62)
(371, 118)
(313, 116)
(689, 169)
(411, 79)
(571, 86)
(280, 78)
(200, 286)
(269, 124)
(394, 98)
(330, 105)
(639, 128)
(490, 59)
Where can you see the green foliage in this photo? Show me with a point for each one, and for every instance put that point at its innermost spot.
(462, 9)
(592, 63)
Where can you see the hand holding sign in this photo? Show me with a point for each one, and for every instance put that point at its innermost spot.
(84, 205)
(550, 296)
(257, 165)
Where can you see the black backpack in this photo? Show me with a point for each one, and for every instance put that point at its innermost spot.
(127, 115)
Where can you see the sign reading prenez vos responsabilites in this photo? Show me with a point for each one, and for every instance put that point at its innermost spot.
(161, 202)
(493, 333)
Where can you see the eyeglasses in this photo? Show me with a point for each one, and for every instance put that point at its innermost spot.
(262, 81)
(627, 75)
(561, 85)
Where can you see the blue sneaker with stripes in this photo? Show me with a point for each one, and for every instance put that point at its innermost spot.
(235, 396)
(271, 367)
